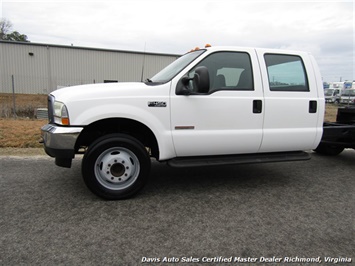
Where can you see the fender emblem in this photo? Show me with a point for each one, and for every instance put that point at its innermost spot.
(156, 104)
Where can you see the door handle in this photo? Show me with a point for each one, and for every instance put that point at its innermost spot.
(312, 107)
(257, 106)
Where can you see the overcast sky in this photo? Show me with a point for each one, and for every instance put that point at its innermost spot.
(324, 28)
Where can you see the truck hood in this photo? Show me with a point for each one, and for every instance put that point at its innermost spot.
(105, 90)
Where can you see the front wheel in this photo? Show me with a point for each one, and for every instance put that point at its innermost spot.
(116, 166)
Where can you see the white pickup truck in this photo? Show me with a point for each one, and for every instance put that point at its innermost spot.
(212, 106)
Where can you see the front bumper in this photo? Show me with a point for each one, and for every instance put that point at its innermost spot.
(59, 142)
(346, 101)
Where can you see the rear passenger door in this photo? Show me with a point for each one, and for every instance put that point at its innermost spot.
(290, 95)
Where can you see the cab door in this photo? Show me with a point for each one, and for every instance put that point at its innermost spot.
(292, 106)
(226, 119)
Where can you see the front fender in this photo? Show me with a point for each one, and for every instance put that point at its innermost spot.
(157, 119)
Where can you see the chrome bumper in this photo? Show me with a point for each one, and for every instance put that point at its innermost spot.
(59, 142)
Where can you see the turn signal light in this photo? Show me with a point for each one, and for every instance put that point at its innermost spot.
(65, 121)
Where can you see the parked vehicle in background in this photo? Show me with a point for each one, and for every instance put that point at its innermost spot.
(336, 85)
(349, 85)
(333, 90)
(332, 95)
(348, 97)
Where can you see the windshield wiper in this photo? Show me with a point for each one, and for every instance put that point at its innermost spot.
(149, 80)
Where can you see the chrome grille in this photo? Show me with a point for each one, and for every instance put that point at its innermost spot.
(50, 108)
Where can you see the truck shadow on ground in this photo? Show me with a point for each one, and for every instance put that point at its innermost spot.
(166, 181)
(232, 178)
(346, 158)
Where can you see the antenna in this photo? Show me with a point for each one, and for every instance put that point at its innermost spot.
(145, 44)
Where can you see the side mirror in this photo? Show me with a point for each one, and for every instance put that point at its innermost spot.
(201, 82)
(202, 79)
(183, 86)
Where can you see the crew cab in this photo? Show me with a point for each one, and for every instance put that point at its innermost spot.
(212, 106)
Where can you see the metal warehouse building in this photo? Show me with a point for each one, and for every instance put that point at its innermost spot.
(35, 68)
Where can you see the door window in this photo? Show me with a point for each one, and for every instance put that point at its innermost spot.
(227, 71)
(286, 73)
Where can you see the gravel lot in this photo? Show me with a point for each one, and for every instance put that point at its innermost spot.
(193, 216)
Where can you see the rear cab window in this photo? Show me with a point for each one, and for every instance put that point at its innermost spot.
(286, 73)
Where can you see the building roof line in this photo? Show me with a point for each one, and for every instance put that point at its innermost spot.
(85, 48)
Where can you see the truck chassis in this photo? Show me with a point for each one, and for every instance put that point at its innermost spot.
(338, 135)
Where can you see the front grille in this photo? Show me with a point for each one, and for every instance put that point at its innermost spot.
(50, 108)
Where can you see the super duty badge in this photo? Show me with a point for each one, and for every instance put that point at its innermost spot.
(156, 104)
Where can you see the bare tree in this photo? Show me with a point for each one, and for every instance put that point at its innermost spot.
(5, 27)
(8, 35)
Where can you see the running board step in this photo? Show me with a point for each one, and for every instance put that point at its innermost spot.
(239, 159)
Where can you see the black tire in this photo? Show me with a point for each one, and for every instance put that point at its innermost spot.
(116, 166)
(328, 149)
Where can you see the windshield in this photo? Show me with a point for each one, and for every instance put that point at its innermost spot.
(175, 67)
(328, 92)
(349, 93)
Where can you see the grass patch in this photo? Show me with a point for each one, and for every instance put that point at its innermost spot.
(24, 131)
(331, 111)
(25, 104)
(20, 133)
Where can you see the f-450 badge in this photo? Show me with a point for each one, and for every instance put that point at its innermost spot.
(156, 104)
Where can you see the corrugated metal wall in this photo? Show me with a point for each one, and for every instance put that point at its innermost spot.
(40, 69)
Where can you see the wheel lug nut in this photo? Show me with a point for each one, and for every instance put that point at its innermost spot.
(107, 172)
(123, 162)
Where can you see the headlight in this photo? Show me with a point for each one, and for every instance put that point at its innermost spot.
(60, 112)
